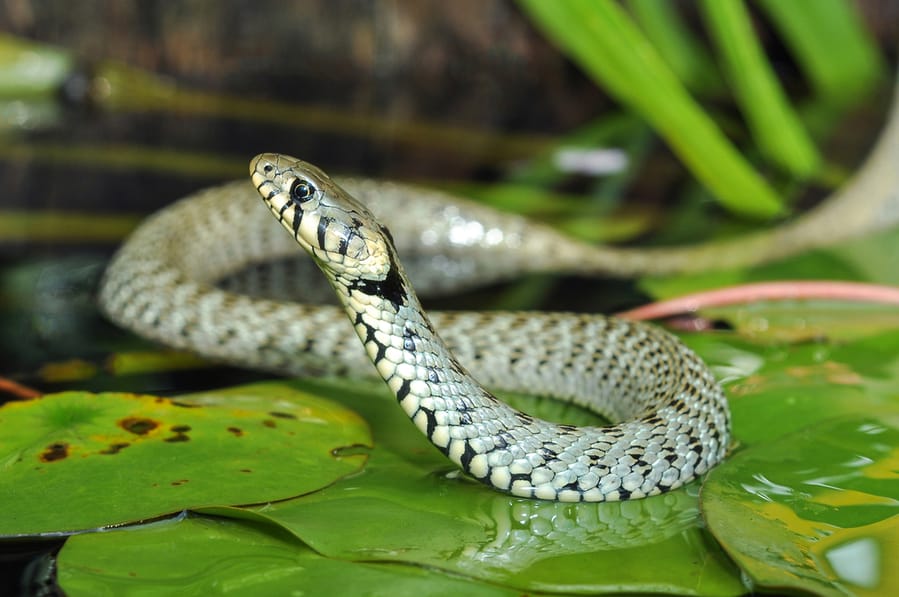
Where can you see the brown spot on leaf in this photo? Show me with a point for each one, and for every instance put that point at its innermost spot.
(269, 423)
(180, 482)
(55, 451)
(115, 448)
(138, 425)
(180, 432)
(237, 431)
(280, 415)
(246, 470)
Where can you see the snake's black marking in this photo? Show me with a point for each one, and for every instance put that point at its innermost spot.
(369, 331)
(381, 350)
(391, 288)
(297, 219)
(343, 244)
(432, 420)
(467, 454)
(323, 223)
(403, 391)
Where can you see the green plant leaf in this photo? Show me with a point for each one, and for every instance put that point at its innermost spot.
(680, 49)
(776, 390)
(601, 38)
(832, 46)
(206, 556)
(76, 461)
(416, 508)
(815, 511)
(775, 126)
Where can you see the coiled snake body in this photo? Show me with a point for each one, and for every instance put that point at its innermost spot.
(672, 417)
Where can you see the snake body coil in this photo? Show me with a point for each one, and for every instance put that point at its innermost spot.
(673, 421)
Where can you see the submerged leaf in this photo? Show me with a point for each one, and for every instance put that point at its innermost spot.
(203, 556)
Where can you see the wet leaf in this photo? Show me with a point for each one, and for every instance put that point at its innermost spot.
(204, 556)
(77, 461)
(816, 510)
(777, 390)
(416, 508)
(797, 321)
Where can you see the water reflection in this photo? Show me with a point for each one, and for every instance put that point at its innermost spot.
(519, 532)
(857, 562)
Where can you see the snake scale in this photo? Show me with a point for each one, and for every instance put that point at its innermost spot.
(671, 420)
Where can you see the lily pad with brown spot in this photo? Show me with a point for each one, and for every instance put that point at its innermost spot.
(77, 461)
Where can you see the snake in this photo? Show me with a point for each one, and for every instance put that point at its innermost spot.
(670, 421)
(670, 417)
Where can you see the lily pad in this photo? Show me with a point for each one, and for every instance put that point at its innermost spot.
(416, 508)
(76, 461)
(815, 511)
(205, 556)
(776, 390)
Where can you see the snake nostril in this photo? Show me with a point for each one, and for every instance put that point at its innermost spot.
(268, 168)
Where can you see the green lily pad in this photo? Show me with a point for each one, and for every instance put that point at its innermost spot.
(77, 461)
(205, 556)
(416, 508)
(776, 390)
(815, 511)
(413, 507)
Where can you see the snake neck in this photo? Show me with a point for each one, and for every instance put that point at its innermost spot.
(397, 334)
(431, 386)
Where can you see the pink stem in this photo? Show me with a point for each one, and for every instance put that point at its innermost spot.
(18, 390)
(767, 291)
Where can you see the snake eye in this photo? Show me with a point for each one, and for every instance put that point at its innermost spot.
(301, 190)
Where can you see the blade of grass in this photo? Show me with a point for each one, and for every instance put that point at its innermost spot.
(604, 41)
(775, 126)
(831, 45)
(677, 45)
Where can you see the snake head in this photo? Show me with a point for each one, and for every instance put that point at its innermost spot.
(340, 233)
